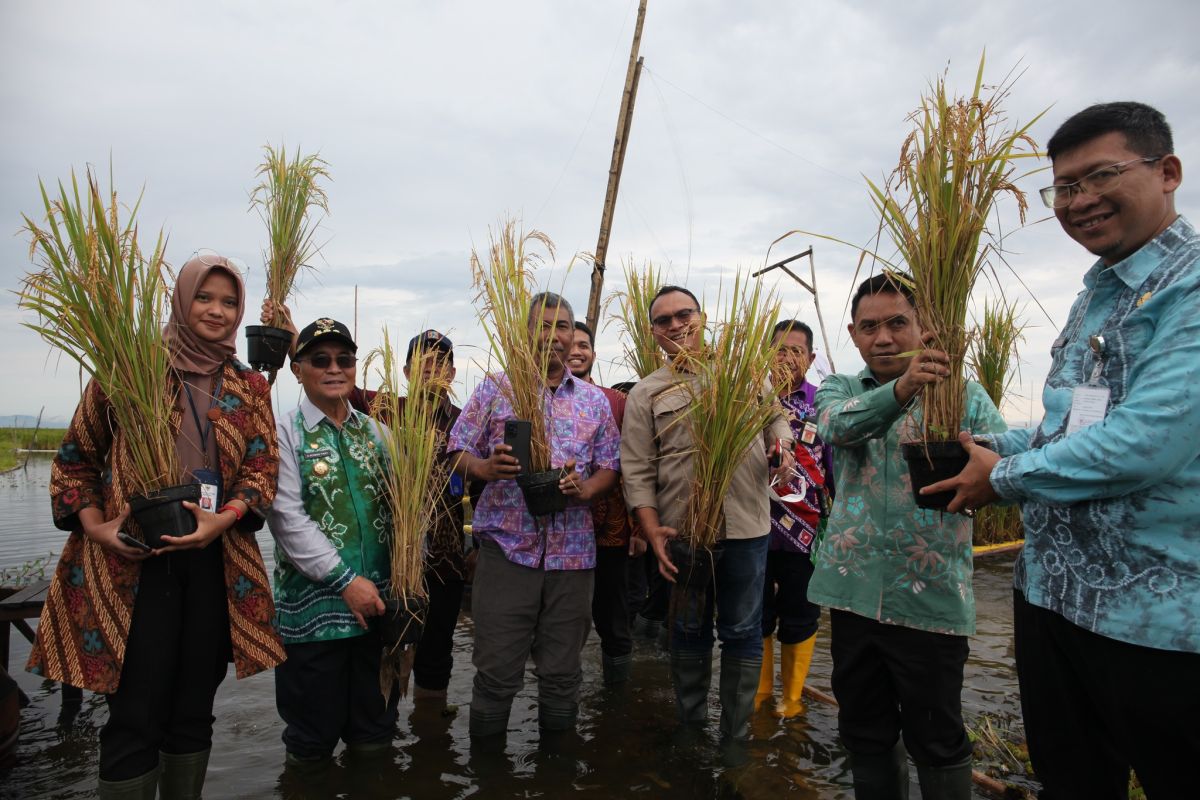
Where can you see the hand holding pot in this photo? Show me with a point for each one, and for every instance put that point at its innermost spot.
(208, 527)
(925, 368)
(362, 598)
(659, 535)
(972, 487)
(105, 533)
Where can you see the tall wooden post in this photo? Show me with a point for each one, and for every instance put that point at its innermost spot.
(624, 119)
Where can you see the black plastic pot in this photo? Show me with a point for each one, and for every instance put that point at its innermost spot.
(267, 347)
(695, 565)
(930, 462)
(401, 622)
(541, 492)
(162, 513)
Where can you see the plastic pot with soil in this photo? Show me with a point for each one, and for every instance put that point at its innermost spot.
(930, 462)
(267, 347)
(695, 564)
(161, 513)
(401, 622)
(541, 492)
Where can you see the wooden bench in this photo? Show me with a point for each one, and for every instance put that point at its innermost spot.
(22, 605)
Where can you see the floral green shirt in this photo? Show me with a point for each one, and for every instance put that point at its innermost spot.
(883, 557)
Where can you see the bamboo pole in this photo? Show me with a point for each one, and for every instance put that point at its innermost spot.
(810, 287)
(624, 121)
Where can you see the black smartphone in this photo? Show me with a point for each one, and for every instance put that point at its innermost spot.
(516, 435)
(125, 538)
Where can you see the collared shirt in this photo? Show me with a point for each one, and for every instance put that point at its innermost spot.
(883, 557)
(330, 520)
(1112, 511)
(581, 427)
(656, 457)
(794, 523)
(609, 514)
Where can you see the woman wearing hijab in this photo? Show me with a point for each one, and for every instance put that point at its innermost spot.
(155, 631)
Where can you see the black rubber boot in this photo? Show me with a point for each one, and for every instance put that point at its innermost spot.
(143, 787)
(616, 669)
(880, 776)
(739, 680)
(952, 782)
(486, 725)
(182, 775)
(557, 718)
(691, 674)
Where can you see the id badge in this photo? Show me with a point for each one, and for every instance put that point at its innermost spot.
(1089, 404)
(809, 434)
(210, 488)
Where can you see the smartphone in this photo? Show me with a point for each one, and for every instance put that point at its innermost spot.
(517, 433)
(125, 538)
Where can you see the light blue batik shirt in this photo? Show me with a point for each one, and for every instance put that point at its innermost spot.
(1112, 511)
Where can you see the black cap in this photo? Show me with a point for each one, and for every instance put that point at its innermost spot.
(323, 330)
(427, 341)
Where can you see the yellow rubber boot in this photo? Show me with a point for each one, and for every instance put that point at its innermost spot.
(794, 660)
(766, 676)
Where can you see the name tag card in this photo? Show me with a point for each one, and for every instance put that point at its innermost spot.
(1089, 404)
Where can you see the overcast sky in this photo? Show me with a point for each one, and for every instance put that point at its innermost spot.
(437, 119)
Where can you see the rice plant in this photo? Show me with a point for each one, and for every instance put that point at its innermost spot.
(417, 473)
(504, 280)
(642, 354)
(954, 167)
(104, 304)
(731, 402)
(287, 194)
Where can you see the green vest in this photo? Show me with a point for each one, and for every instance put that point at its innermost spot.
(343, 491)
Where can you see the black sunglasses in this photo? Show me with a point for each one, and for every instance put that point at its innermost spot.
(323, 360)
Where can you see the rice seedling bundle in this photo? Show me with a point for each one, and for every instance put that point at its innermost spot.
(642, 354)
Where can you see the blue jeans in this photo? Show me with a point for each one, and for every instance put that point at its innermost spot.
(735, 594)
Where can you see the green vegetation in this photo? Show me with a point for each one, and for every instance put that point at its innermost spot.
(13, 439)
(642, 353)
(24, 574)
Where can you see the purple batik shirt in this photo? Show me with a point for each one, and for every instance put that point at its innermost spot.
(794, 525)
(581, 427)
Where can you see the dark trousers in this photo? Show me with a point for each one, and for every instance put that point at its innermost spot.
(1095, 706)
(521, 611)
(434, 659)
(891, 681)
(175, 658)
(785, 597)
(735, 595)
(610, 601)
(326, 691)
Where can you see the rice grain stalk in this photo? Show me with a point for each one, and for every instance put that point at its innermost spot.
(104, 304)
(287, 193)
(954, 167)
(504, 284)
(416, 473)
(642, 353)
(731, 402)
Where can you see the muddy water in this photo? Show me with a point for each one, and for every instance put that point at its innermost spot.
(627, 744)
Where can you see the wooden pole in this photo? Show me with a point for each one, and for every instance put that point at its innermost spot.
(624, 119)
(811, 288)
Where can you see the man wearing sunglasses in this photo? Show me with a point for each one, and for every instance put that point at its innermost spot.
(1107, 590)
(656, 448)
(332, 564)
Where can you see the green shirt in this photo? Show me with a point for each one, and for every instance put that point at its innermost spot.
(883, 557)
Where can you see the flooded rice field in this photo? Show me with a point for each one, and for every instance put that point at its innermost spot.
(627, 743)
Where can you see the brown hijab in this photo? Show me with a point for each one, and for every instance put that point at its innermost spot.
(190, 353)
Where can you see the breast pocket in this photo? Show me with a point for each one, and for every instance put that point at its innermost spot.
(671, 428)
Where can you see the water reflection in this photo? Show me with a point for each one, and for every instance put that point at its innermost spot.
(626, 745)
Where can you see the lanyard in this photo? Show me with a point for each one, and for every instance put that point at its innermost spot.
(207, 429)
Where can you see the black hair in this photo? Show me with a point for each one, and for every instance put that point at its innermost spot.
(882, 283)
(543, 300)
(1146, 130)
(582, 326)
(667, 289)
(786, 326)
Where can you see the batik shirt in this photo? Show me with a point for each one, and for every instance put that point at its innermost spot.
(794, 523)
(1112, 511)
(581, 427)
(330, 520)
(883, 557)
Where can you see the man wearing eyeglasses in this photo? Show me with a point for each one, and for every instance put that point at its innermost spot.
(1107, 590)
(656, 460)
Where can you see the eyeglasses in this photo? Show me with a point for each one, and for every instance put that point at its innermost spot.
(1095, 183)
(682, 316)
(323, 360)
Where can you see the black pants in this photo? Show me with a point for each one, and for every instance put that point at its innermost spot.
(326, 691)
(658, 589)
(891, 681)
(785, 598)
(434, 659)
(175, 658)
(636, 583)
(610, 601)
(1094, 707)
